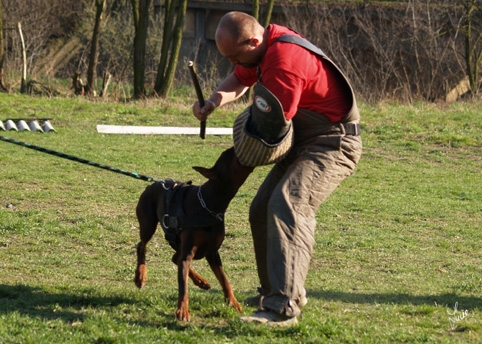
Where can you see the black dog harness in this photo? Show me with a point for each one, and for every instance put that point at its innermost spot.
(174, 218)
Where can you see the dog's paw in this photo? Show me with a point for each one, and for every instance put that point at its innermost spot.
(199, 281)
(139, 284)
(183, 315)
(203, 285)
(234, 303)
(141, 276)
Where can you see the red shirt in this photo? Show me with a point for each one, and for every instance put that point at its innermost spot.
(298, 78)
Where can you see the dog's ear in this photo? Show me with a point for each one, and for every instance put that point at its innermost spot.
(206, 172)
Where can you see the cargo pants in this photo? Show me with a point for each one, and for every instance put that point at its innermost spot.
(282, 214)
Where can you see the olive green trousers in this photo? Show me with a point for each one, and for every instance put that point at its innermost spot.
(282, 214)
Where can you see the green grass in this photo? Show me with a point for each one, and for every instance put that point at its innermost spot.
(398, 244)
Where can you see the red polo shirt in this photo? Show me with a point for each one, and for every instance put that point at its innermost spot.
(298, 78)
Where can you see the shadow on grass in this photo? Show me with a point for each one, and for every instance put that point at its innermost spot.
(448, 299)
(72, 307)
(36, 302)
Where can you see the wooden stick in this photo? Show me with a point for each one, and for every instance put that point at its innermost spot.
(200, 97)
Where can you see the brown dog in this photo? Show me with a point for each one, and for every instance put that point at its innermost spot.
(192, 218)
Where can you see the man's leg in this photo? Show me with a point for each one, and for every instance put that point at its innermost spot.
(259, 221)
(291, 223)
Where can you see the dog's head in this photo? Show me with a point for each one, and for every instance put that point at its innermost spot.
(227, 169)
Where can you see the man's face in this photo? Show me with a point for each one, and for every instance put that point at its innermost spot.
(239, 53)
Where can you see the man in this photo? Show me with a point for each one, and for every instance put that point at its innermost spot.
(318, 100)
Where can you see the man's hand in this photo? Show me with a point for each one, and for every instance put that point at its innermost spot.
(202, 113)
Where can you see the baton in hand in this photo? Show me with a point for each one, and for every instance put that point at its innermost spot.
(200, 97)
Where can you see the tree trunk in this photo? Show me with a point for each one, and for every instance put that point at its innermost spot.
(105, 84)
(255, 9)
(473, 52)
(171, 45)
(3, 85)
(23, 84)
(267, 14)
(269, 11)
(91, 71)
(141, 21)
(166, 42)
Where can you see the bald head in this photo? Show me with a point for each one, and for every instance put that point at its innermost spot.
(240, 38)
(238, 26)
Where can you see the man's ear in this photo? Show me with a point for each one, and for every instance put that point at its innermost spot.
(206, 172)
(254, 41)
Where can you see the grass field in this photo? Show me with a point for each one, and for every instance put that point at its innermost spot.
(398, 256)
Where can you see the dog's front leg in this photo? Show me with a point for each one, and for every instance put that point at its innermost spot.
(183, 268)
(216, 265)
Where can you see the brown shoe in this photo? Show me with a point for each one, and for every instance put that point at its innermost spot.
(270, 318)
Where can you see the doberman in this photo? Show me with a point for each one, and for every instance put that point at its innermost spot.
(192, 218)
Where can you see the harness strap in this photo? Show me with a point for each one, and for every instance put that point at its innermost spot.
(353, 114)
(302, 42)
(174, 218)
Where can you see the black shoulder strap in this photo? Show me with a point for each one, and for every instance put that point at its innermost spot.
(353, 113)
(301, 42)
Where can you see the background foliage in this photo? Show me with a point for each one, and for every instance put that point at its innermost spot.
(403, 50)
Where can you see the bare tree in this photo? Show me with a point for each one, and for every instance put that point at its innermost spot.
(268, 12)
(141, 19)
(3, 85)
(92, 70)
(404, 51)
(255, 9)
(473, 42)
(175, 12)
(23, 84)
(43, 22)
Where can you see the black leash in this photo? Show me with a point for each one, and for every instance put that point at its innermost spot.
(73, 158)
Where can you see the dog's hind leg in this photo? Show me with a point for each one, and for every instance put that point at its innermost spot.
(141, 271)
(184, 266)
(216, 265)
(146, 215)
(197, 279)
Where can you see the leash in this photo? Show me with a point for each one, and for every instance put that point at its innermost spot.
(73, 158)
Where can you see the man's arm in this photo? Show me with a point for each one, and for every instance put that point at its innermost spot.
(228, 90)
